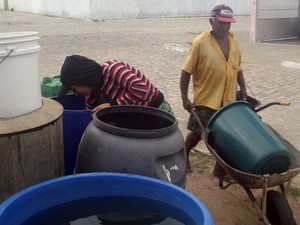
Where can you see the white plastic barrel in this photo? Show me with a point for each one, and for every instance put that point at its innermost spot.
(20, 90)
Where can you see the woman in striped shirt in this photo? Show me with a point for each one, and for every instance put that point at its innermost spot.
(112, 83)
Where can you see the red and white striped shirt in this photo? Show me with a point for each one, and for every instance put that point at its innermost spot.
(126, 85)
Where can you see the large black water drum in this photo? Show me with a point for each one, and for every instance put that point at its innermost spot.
(133, 139)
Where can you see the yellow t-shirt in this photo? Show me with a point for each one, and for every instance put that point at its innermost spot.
(214, 78)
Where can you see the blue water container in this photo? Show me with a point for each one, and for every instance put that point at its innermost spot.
(75, 120)
(68, 198)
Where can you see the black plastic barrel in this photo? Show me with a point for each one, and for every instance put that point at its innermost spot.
(133, 139)
(75, 119)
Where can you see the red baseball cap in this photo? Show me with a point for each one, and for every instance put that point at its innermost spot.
(223, 13)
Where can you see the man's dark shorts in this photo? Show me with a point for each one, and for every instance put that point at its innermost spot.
(205, 114)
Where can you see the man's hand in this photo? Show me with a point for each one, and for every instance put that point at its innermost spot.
(241, 82)
(243, 95)
(99, 107)
(187, 105)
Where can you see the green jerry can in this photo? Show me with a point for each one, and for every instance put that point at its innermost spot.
(50, 86)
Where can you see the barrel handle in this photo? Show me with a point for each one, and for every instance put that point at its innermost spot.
(10, 51)
(11, 47)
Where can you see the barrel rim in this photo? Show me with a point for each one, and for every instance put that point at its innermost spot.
(18, 34)
(133, 132)
(224, 108)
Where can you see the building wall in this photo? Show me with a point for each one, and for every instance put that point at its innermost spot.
(121, 9)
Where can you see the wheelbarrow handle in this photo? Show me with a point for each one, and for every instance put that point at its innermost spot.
(285, 103)
(197, 118)
(196, 114)
(272, 103)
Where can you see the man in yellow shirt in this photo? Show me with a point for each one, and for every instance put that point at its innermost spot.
(214, 62)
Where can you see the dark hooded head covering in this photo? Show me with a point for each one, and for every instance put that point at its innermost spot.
(81, 71)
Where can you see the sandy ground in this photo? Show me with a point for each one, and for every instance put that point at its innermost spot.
(230, 206)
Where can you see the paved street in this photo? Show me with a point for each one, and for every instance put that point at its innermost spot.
(158, 47)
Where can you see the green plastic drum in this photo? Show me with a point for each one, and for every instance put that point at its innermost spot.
(244, 142)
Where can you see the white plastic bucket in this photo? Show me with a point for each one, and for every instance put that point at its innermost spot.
(20, 90)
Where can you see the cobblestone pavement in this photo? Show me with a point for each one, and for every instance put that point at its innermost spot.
(158, 47)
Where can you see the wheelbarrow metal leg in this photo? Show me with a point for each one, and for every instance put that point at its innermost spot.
(228, 181)
(262, 217)
(283, 190)
(286, 188)
(264, 198)
(261, 210)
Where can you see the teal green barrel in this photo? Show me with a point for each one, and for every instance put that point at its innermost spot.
(244, 142)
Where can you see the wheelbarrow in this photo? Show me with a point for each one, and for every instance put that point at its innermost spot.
(273, 208)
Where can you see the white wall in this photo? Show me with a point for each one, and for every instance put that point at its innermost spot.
(63, 8)
(120, 9)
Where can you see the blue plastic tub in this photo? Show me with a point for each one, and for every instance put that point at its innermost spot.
(75, 120)
(68, 198)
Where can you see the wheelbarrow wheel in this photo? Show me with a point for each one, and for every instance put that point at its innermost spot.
(278, 209)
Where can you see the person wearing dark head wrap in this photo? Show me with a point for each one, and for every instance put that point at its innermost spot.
(111, 83)
(79, 70)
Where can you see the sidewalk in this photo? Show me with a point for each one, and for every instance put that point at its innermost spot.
(142, 44)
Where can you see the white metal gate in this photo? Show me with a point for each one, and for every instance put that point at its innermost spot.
(276, 19)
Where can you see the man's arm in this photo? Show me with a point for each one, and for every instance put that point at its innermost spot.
(184, 86)
(241, 83)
